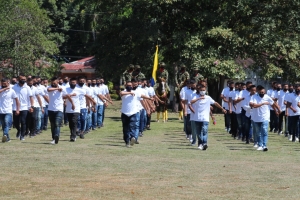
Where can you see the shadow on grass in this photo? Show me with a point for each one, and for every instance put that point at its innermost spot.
(117, 119)
(192, 148)
(112, 145)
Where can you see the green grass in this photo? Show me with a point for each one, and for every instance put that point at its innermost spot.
(162, 166)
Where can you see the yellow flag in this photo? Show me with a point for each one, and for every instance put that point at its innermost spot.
(155, 65)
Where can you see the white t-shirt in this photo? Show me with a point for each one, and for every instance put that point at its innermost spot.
(273, 94)
(78, 91)
(105, 88)
(287, 98)
(246, 105)
(151, 91)
(56, 102)
(202, 109)
(294, 99)
(281, 98)
(43, 92)
(236, 108)
(100, 90)
(23, 94)
(35, 93)
(226, 92)
(6, 101)
(129, 103)
(191, 97)
(262, 113)
(186, 97)
(142, 92)
(82, 97)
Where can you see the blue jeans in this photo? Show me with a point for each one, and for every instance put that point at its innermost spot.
(254, 135)
(94, 117)
(6, 120)
(261, 129)
(81, 123)
(44, 119)
(201, 130)
(55, 118)
(142, 120)
(129, 126)
(39, 120)
(100, 114)
(103, 114)
(137, 126)
(88, 121)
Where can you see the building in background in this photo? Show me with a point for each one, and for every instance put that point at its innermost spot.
(84, 67)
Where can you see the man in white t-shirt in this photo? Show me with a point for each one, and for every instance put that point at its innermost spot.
(7, 96)
(261, 116)
(44, 119)
(225, 99)
(288, 111)
(107, 95)
(24, 94)
(273, 93)
(56, 107)
(151, 93)
(200, 115)
(282, 105)
(248, 109)
(233, 109)
(72, 114)
(294, 113)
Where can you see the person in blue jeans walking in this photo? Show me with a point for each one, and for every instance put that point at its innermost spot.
(261, 116)
(200, 108)
(7, 95)
(56, 107)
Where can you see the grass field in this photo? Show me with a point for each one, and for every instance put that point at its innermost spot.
(162, 166)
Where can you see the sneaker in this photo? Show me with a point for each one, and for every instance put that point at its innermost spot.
(255, 145)
(260, 149)
(137, 142)
(4, 138)
(22, 138)
(45, 128)
(81, 136)
(265, 149)
(200, 147)
(279, 132)
(271, 130)
(297, 139)
(132, 141)
(56, 139)
(99, 127)
(148, 128)
(275, 131)
(8, 140)
(18, 135)
(53, 142)
(72, 139)
(141, 134)
(205, 147)
(290, 137)
(93, 129)
(127, 145)
(247, 142)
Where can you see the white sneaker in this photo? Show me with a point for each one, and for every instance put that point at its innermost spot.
(53, 142)
(297, 139)
(200, 147)
(290, 137)
(255, 146)
(260, 149)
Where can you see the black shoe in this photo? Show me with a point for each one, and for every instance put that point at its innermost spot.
(99, 127)
(251, 140)
(275, 131)
(265, 149)
(72, 140)
(247, 142)
(77, 133)
(18, 135)
(148, 128)
(93, 129)
(205, 147)
(56, 138)
(137, 142)
(45, 128)
(81, 136)
(141, 134)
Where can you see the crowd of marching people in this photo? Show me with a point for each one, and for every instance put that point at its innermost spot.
(27, 103)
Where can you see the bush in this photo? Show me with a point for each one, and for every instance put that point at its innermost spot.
(114, 97)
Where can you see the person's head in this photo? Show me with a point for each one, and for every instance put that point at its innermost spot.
(38, 80)
(193, 84)
(285, 87)
(89, 82)
(248, 84)
(162, 66)
(243, 86)
(203, 82)
(66, 79)
(129, 86)
(195, 70)
(13, 80)
(81, 81)
(94, 82)
(252, 89)
(22, 79)
(228, 82)
(231, 85)
(34, 80)
(134, 84)
(98, 81)
(279, 87)
(140, 83)
(4, 82)
(237, 86)
(73, 82)
(137, 68)
(54, 82)
(258, 88)
(262, 92)
(274, 85)
(45, 82)
(297, 89)
(291, 88)
(148, 84)
(101, 80)
(131, 67)
(182, 68)
(29, 82)
(202, 90)
(60, 81)
(29, 76)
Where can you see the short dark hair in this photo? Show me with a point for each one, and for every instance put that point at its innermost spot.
(252, 86)
(73, 79)
(4, 80)
(53, 78)
(133, 80)
(248, 82)
(29, 79)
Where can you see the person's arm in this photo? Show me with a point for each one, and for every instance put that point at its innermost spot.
(103, 98)
(291, 107)
(4, 89)
(122, 93)
(40, 102)
(197, 99)
(51, 89)
(46, 98)
(71, 101)
(230, 104)
(191, 108)
(90, 99)
(17, 106)
(220, 107)
(145, 97)
(31, 101)
(254, 105)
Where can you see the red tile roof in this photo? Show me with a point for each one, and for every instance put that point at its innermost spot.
(86, 63)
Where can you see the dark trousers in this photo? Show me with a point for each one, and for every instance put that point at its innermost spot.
(65, 116)
(129, 126)
(31, 121)
(148, 120)
(227, 120)
(72, 118)
(234, 124)
(280, 125)
(294, 128)
(247, 126)
(273, 120)
(188, 127)
(20, 119)
(55, 118)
